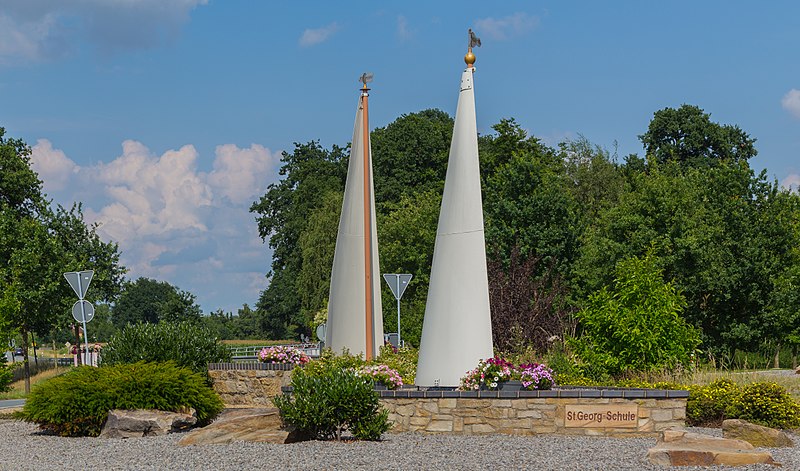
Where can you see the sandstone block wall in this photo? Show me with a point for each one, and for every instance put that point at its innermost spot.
(475, 412)
(249, 387)
(524, 416)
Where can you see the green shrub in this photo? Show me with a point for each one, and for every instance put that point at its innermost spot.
(186, 343)
(403, 360)
(6, 375)
(768, 404)
(712, 403)
(77, 402)
(326, 401)
(636, 325)
(330, 360)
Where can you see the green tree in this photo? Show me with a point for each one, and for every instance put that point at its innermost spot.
(407, 234)
(687, 135)
(593, 177)
(509, 140)
(37, 245)
(636, 324)
(709, 229)
(20, 187)
(150, 301)
(309, 173)
(527, 202)
(31, 277)
(780, 223)
(317, 246)
(410, 155)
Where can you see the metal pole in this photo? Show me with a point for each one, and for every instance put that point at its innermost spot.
(397, 278)
(83, 318)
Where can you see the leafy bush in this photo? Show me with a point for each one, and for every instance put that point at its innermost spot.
(330, 360)
(6, 375)
(767, 404)
(186, 343)
(326, 401)
(636, 326)
(403, 360)
(711, 404)
(77, 402)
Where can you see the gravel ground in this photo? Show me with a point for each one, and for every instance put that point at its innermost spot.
(22, 447)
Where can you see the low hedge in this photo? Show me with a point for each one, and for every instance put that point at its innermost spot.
(77, 403)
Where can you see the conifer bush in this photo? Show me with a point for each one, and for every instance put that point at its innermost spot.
(77, 403)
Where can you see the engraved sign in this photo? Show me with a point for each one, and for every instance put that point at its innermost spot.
(601, 416)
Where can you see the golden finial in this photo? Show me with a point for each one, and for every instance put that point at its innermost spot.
(474, 41)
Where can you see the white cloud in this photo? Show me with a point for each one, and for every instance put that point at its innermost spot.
(791, 102)
(792, 182)
(240, 174)
(52, 165)
(403, 32)
(311, 37)
(41, 30)
(507, 27)
(172, 221)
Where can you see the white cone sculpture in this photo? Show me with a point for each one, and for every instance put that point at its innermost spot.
(355, 320)
(457, 330)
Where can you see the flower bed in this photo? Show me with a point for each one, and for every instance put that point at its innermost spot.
(382, 374)
(283, 354)
(493, 373)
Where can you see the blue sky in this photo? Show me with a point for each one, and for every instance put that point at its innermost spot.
(167, 118)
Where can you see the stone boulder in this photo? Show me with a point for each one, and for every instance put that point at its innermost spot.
(248, 425)
(145, 423)
(755, 435)
(682, 448)
(797, 370)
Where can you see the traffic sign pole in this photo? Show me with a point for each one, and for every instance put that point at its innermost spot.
(397, 279)
(75, 280)
(83, 318)
(398, 288)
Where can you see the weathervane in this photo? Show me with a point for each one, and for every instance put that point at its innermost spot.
(474, 41)
(365, 78)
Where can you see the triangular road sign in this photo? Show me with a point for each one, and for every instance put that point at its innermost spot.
(397, 283)
(79, 280)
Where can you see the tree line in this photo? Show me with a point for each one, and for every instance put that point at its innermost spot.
(558, 222)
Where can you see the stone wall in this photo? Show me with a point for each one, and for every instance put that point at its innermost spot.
(646, 411)
(527, 416)
(249, 384)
